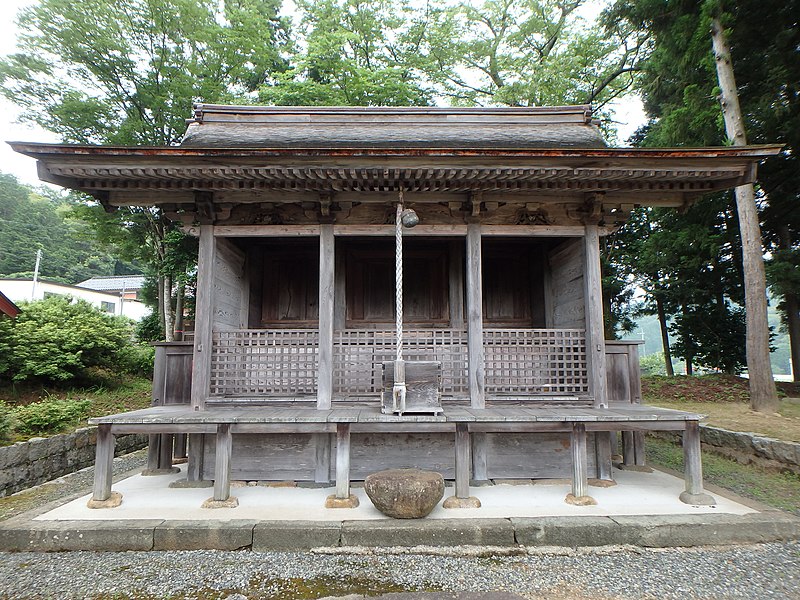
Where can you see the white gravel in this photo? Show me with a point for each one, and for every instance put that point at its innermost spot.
(762, 571)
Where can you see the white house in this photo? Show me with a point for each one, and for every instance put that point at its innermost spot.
(19, 290)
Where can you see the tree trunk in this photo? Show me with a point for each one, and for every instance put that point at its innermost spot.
(168, 315)
(791, 307)
(160, 285)
(179, 302)
(763, 395)
(662, 322)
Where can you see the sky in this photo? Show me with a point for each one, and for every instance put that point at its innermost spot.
(629, 113)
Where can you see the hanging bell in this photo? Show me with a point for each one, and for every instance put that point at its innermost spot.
(409, 218)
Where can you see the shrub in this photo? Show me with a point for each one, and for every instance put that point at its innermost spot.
(6, 422)
(55, 339)
(137, 359)
(49, 415)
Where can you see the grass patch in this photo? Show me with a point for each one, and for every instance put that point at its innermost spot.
(726, 401)
(106, 393)
(779, 490)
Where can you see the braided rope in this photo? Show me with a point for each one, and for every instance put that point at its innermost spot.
(398, 276)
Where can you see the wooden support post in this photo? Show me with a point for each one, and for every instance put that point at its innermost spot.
(462, 460)
(342, 498)
(593, 298)
(343, 460)
(222, 465)
(165, 452)
(326, 314)
(602, 440)
(628, 449)
(580, 468)
(693, 467)
(204, 315)
(102, 496)
(462, 499)
(638, 448)
(180, 446)
(477, 367)
(194, 466)
(322, 471)
(480, 466)
(153, 453)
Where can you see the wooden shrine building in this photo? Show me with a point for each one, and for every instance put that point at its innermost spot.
(295, 210)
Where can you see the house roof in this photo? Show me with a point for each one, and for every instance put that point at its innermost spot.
(218, 126)
(115, 283)
(7, 307)
(311, 152)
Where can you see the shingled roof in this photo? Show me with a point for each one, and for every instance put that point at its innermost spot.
(219, 126)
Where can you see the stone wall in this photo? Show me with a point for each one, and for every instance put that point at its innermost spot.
(748, 448)
(25, 464)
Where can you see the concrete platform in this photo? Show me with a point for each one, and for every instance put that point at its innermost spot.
(642, 510)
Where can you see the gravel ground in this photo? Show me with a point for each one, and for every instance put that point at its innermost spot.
(764, 571)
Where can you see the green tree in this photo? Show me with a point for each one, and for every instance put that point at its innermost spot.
(42, 219)
(355, 53)
(56, 340)
(529, 53)
(683, 83)
(126, 72)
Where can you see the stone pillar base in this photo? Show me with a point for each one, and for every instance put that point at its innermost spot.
(456, 502)
(185, 483)
(113, 501)
(602, 483)
(169, 471)
(636, 468)
(580, 500)
(333, 502)
(701, 499)
(231, 502)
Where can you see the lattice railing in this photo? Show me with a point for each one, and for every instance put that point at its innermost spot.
(258, 362)
(535, 361)
(359, 355)
(283, 362)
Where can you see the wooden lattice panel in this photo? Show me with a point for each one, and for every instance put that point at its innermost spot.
(359, 355)
(284, 362)
(280, 362)
(536, 361)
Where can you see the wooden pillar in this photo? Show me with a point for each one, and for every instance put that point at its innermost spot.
(693, 467)
(222, 466)
(326, 304)
(475, 350)
(204, 316)
(580, 468)
(153, 452)
(194, 464)
(593, 298)
(462, 460)
(602, 440)
(477, 367)
(343, 461)
(103, 464)
(327, 301)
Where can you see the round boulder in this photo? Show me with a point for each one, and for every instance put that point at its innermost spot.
(405, 493)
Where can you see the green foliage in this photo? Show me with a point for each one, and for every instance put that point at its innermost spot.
(49, 415)
(55, 340)
(41, 219)
(6, 422)
(653, 364)
(148, 329)
(137, 359)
